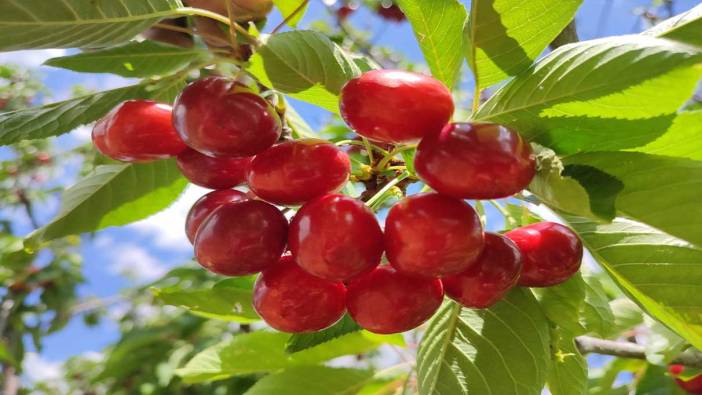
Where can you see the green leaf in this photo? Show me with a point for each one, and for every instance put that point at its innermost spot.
(113, 195)
(437, 25)
(287, 7)
(305, 65)
(627, 315)
(568, 372)
(681, 139)
(685, 27)
(28, 24)
(563, 303)
(228, 300)
(303, 341)
(317, 380)
(501, 350)
(662, 344)
(135, 59)
(596, 315)
(606, 94)
(5, 355)
(659, 272)
(656, 381)
(504, 37)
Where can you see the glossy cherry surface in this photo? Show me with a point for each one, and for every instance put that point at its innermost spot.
(219, 117)
(137, 131)
(395, 106)
(494, 273)
(475, 161)
(692, 386)
(551, 253)
(206, 205)
(432, 235)
(214, 173)
(297, 171)
(292, 300)
(241, 238)
(336, 237)
(385, 301)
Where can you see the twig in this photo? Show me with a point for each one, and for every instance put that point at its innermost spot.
(290, 17)
(588, 345)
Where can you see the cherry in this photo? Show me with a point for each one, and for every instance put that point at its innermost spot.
(220, 117)
(294, 172)
(213, 173)
(692, 386)
(336, 237)
(291, 300)
(475, 161)
(494, 273)
(552, 253)
(386, 301)
(345, 11)
(206, 205)
(395, 106)
(391, 13)
(241, 238)
(137, 131)
(242, 10)
(432, 235)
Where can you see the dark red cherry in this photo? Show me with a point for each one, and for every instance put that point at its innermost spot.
(137, 131)
(475, 161)
(432, 235)
(391, 13)
(345, 11)
(206, 205)
(395, 106)
(386, 301)
(214, 173)
(335, 237)
(552, 253)
(494, 273)
(292, 300)
(294, 172)
(692, 386)
(241, 238)
(220, 117)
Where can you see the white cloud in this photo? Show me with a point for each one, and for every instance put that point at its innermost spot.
(36, 368)
(135, 262)
(31, 58)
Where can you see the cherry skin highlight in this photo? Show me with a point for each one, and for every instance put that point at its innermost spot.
(395, 106)
(432, 235)
(475, 161)
(295, 172)
(336, 237)
(213, 173)
(385, 301)
(552, 253)
(206, 205)
(137, 131)
(487, 281)
(220, 117)
(292, 300)
(241, 238)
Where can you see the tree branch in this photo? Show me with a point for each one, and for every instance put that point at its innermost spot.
(567, 36)
(588, 345)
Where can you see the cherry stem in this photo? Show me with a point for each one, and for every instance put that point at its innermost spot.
(191, 11)
(384, 162)
(290, 17)
(476, 99)
(232, 29)
(189, 31)
(509, 220)
(369, 150)
(375, 198)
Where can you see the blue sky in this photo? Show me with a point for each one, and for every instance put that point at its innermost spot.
(117, 257)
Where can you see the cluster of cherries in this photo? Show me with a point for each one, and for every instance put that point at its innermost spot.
(225, 135)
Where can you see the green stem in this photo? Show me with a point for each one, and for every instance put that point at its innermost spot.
(369, 150)
(375, 198)
(384, 162)
(191, 11)
(476, 99)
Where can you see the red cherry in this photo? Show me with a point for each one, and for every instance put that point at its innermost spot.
(475, 161)
(676, 370)
(345, 11)
(395, 106)
(494, 273)
(241, 238)
(214, 173)
(294, 172)
(220, 117)
(206, 205)
(137, 131)
(336, 237)
(386, 301)
(552, 253)
(692, 386)
(432, 235)
(392, 13)
(291, 300)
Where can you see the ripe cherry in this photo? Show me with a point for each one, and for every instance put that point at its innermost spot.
(214, 173)
(395, 106)
(391, 13)
(241, 238)
(494, 273)
(386, 301)
(220, 117)
(206, 205)
(432, 235)
(692, 386)
(475, 161)
(137, 131)
(345, 11)
(335, 237)
(294, 172)
(552, 253)
(292, 300)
